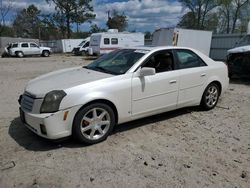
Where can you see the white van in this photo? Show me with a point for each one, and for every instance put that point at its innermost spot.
(102, 43)
(82, 48)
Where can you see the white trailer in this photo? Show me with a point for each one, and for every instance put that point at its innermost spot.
(197, 39)
(101, 43)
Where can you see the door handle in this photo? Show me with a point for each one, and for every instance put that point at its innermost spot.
(172, 81)
(203, 74)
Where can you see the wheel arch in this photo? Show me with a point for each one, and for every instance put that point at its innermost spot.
(104, 101)
(46, 51)
(218, 84)
(16, 52)
(216, 81)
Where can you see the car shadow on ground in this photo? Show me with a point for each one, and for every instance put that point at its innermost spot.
(30, 141)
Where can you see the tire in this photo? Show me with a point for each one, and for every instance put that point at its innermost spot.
(93, 123)
(45, 53)
(19, 54)
(210, 96)
(83, 53)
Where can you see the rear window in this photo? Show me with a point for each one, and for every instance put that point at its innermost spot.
(188, 59)
(114, 41)
(106, 41)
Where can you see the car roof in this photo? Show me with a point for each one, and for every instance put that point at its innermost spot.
(156, 48)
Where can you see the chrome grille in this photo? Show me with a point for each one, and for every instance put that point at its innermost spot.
(27, 102)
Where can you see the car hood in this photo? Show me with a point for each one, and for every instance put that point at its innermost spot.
(63, 79)
(239, 49)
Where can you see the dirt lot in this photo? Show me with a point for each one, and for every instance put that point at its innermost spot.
(184, 148)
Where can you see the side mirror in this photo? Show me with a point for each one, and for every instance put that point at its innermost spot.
(147, 71)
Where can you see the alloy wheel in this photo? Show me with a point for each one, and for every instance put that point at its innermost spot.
(95, 123)
(211, 96)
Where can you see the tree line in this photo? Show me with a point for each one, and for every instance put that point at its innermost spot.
(31, 22)
(220, 16)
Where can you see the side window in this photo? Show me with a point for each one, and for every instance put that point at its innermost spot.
(162, 62)
(114, 41)
(188, 59)
(106, 41)
(32, 45)
(24, 45)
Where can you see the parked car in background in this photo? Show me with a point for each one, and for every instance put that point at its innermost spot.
(82, 48)
(124, 85)
(238, 58)
(22, 49)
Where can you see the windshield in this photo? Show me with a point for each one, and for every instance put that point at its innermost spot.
(117, 62)
(82, 43)
(244, 41)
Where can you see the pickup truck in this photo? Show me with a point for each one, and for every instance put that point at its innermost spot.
(22, 49)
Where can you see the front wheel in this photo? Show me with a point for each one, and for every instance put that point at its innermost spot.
(93, 123)
(210, 96)
(45, 53)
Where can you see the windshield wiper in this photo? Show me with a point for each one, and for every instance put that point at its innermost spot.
(103, 70)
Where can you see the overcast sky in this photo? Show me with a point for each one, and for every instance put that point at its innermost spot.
(143, 15)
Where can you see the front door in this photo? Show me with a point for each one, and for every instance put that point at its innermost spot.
(34, 49)
(159, 92)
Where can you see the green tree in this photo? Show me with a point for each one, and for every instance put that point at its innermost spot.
(117, 21)
(75, 11)
(95, 29)
(187, 21)
(5, 7)
(49, 28)
(148, 35)
(231, 12)
(27, 22)
(199, 11)
(238, 4)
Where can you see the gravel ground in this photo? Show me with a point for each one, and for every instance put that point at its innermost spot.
(183, 148)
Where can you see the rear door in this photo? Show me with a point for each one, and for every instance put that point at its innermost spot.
(193, 75)
(25, 48)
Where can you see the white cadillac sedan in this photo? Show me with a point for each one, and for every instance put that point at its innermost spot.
(124, 85)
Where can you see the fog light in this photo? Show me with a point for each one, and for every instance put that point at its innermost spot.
(43, 129)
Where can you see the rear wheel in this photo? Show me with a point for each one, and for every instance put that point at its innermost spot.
(93, 123)
(19, 54)
(210, 96)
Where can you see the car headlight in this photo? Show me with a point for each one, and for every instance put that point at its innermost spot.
(52, 101)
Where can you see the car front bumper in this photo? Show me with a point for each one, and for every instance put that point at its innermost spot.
(50, 125)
